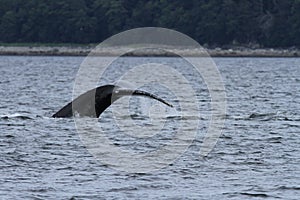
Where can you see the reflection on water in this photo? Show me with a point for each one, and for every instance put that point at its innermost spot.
(257, 155)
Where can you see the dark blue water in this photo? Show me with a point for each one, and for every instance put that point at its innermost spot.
(256, 157)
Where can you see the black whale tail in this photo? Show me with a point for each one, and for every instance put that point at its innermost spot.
(94, 102)
(126, 92)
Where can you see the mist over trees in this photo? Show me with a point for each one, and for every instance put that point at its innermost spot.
(264, 23)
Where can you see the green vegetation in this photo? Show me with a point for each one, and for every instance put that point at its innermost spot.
(264, 23)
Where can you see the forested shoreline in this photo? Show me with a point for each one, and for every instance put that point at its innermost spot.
(213, 23)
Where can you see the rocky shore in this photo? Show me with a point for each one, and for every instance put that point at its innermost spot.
(114, 51)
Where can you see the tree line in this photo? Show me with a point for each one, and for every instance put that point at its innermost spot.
(264, 23)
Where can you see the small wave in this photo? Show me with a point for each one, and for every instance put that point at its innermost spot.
(10, 124)
(9, 150)
(268, 117)
(257, 115)
(139, 117)
(275, 139)
(173, 117)
(288, 188)
(129, 188)
(15, 116)
(4, 82)
(254, 194)
(9, 136)
(146, 117)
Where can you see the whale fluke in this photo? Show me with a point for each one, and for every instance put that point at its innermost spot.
(95, 101)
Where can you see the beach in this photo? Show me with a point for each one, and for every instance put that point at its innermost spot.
(82, 50)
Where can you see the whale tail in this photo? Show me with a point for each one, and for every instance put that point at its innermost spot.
(127, 92)
(95, 101)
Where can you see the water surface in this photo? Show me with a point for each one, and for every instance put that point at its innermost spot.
(256, 157)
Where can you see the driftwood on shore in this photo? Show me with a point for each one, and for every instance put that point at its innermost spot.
(115, 51)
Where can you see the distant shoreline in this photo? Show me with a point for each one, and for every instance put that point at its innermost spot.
(84, 50)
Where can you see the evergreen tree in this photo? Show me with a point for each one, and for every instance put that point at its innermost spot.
(269, 23)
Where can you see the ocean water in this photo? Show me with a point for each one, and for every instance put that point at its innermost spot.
(256, 157)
